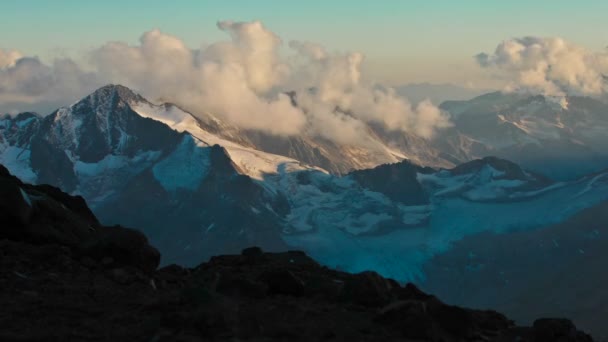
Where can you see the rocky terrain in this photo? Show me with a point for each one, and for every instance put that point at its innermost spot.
(65, 277)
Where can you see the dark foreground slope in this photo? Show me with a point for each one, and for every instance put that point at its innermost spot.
(65, 277)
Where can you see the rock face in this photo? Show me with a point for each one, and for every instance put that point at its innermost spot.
(44, 215)
(397, 181)
(65, 277)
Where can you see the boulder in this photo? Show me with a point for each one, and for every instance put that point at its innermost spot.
(42, 214)
(283, 281)
(238, 286)
(15, 204)
(252, 252)
(410, 291)
(557, 330)
(411, 318)
(125, 246)
(368, 289)
(426, 318)
(76, 204)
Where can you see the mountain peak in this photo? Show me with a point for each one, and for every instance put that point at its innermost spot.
(104, 123)
(101, 103)
(505, 168)
(115, 91)
(19, 116)
(108, 100)
(499, 164)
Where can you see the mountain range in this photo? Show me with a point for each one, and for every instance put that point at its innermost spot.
(198, 187)
(562, 137)
(437, 93)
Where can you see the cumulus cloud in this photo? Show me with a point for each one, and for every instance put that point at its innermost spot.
(228, 78)
(8, 58)
(337, 84)
(256, 49)
(243, 80)
(27, 80)
(550, 66)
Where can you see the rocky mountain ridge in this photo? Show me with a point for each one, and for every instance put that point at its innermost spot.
(64, 276)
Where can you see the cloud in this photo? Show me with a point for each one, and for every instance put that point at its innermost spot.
(8, 58)
(27, 80)
(337, 84)
(550, 66)
(242, 80)
(227, 78)
(256, 49)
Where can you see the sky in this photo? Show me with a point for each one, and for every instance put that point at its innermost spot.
(403, 41)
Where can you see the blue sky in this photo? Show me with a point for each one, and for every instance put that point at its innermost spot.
(407, 40)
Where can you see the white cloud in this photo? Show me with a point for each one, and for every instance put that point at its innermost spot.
(27, 80)
(8, 58)
(227, 78)
(336, 80)
(241, 80)
(256, 49)
(550, 66)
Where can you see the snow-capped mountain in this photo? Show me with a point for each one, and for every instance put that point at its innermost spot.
(15, 136)
(134, 169)
(381, 146)
(490, 179)
(563, 137)
(199, 189)
(157, 166)
(87, 147)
